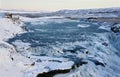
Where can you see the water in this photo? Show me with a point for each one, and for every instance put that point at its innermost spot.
(70, 40)
(53, 33)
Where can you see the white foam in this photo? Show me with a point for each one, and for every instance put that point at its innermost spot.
(83, 25)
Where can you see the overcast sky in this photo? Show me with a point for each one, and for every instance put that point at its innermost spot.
(52, 5)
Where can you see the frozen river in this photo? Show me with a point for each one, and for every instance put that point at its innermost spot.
(90, 45)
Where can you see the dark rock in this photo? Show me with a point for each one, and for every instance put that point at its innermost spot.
(69, 50)
(87, 52)
(8, 15)
(115, 29)
(97, 62)
(105, 44)
(52, 73)
(74, 49)
(33, 64)
(38, 60)
(12, 58)
(80, 62)
(77, 61)
(56, 61)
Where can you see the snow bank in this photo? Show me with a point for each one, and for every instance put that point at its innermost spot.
(47, 64)
(45, 20)
(12, 64)
(9, 29)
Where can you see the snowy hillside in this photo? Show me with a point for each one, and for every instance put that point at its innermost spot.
(107, 12)
(11, 63)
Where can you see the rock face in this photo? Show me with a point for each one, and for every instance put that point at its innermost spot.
(115, 28)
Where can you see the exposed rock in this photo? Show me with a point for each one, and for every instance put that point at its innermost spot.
(52, 73)
(74, 49)
(77, 61)
(115, 29)
(105, 44)
(97, 62)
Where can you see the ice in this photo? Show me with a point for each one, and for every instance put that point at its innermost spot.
(105, 26)
(21, 45)
(48, 64)
(83, 25)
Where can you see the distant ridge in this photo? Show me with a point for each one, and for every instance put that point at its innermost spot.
(44, 11)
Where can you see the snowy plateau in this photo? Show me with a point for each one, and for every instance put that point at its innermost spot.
(65, 43)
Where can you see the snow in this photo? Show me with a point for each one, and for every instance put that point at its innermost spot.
(102, 12)
(12, 64)
(45, 20)
(105, 26)
(6, 27)
(48, 64)
(21, 45)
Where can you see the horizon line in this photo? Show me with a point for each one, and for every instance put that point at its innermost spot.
(5, 9)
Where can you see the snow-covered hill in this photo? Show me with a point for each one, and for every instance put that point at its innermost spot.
(103, 12)
(12, 64)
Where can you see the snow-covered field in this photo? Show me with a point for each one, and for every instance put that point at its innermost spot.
(57, 46)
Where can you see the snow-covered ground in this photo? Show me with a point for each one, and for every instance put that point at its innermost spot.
(12, 64)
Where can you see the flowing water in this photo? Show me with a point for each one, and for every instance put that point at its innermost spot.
(82, 42)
